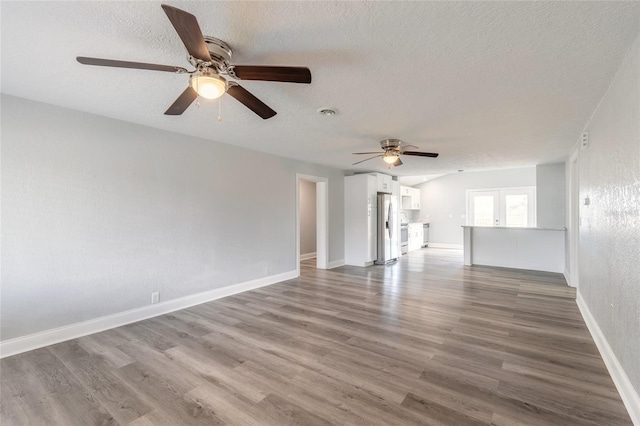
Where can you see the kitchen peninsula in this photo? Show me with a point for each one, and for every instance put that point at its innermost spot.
(538, 249)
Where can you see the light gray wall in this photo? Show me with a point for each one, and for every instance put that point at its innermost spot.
(550, 195)
(444, 200)
(307, 217)
(609, 266)
(98, 213)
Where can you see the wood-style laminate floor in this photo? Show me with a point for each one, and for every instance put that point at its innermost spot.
(426, 341)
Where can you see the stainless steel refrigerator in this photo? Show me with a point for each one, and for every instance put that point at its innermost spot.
(387, 227)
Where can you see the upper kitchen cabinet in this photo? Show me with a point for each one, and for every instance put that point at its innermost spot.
(415, 198)
(384, 183)
(410, 198)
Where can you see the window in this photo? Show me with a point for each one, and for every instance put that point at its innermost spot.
(502, 207)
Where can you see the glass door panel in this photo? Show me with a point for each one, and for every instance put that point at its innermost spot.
(484, 208)
(516, 210)
(517, 207)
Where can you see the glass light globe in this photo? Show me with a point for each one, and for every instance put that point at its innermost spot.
(208, 85)
(390, 157)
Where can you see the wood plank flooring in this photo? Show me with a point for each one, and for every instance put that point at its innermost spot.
(426, 341)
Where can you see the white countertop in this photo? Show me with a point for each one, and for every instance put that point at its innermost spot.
(515, 227)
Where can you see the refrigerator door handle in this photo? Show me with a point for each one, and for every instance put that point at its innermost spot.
(390, 228)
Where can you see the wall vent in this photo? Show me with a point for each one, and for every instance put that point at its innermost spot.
(584, 143)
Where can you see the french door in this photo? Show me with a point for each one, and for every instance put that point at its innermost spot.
(502, 207)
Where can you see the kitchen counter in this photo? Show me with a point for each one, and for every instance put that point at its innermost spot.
(516, 227)
(538, 249)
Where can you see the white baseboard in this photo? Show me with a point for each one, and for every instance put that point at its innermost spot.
(627, 392)
(567, 278)
(73, 331)
(307, 256)
(446, 246)
(335, 264)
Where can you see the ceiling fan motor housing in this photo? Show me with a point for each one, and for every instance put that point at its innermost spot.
(390, 144)
(220, 53)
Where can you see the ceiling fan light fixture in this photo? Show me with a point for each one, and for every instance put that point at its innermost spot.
(208, 85)
(390, 157)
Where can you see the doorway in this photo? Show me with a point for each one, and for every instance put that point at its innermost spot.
(304, 184)
(502, 207)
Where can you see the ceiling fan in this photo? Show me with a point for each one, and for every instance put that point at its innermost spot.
(393, 148)
(211, 59)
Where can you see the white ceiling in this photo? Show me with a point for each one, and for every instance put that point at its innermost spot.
(485, 84)
(416, 180)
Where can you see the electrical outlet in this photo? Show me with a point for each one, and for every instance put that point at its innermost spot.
(266, 271)
(155, 297)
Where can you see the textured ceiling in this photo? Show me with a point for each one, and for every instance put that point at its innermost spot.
(485, 84)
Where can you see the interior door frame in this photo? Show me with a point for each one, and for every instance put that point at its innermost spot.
(574, 219)
(322, 220)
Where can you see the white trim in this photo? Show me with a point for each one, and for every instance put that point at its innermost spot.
(307, 256)
(445, 246)
(573, 205)
(56, 335)
(628, 394)
(322, 224)
(567, 277)
(335, 264)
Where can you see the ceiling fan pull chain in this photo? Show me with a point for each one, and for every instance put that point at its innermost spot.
(220, 108)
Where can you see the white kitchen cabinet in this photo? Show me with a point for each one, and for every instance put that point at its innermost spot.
(360, 217)
(416, 234)
(415, 198)
(383, 183)
(410, 198)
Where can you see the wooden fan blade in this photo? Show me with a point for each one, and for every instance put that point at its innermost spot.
(126, 64)
(268, 73)
(358, 153)
(421, 154)
(397, 163)
(371, 158)
(186, 25)
(182, 103)
(250, 101)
